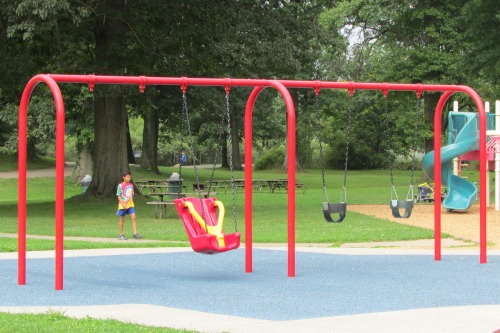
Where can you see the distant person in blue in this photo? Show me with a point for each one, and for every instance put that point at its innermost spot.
(183, 158)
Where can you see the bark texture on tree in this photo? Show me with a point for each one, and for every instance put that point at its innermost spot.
(110, 151)
(149, 155)
(85, 163)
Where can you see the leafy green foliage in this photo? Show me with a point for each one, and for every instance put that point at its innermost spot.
(271, 159)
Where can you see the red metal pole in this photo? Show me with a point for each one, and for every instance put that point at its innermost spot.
(483, 169)
(248, 177)
(291, 173)
(60, 126)
(22, 159)
(437, 174)
(21, 182)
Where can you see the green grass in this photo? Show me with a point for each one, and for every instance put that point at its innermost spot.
(10, 245)
(93, 217)
(9, 163)
(57, 322)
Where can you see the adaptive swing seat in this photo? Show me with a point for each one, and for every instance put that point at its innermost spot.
(203, 229)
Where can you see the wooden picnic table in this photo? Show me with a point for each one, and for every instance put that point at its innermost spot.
(161, 206)
(225, 183)
(153, 188)
(257, 184)
(274, 184)
(149, 182)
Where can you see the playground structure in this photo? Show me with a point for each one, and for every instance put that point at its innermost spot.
(492, 151)
(282, 87)
(463, 145)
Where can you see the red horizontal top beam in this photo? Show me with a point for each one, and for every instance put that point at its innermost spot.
(186, 81)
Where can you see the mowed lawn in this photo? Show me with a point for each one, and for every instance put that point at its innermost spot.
(95, 217)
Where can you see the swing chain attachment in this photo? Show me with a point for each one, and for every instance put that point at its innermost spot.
(351, 89)
(385, 90)
(228, 86)
(142, 84)
(317, 88)
(184, 84)
(92, 82)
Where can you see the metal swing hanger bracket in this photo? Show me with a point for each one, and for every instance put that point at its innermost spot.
(227, 87)
(385, 89)
(184, 84)
(317, 87)
(419, 90)
(142, 84)
(351, 89)
(92, 83)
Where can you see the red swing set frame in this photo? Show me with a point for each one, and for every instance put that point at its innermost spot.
(282, 86)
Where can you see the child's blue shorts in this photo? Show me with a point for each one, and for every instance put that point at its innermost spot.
(123, 212)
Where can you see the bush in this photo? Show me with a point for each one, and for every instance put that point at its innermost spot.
(361, 156)
(271, 159)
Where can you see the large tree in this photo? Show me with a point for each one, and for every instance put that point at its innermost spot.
(403, 41)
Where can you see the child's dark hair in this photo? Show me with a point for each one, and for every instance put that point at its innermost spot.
(126, 173)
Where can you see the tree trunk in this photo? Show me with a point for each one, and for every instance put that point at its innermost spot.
(224, 155)
(110, 151)
(237, 165)
(85, 163)
(110, 114)
(149, 155)
(130, 149)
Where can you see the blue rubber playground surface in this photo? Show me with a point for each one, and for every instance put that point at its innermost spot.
(325, 284)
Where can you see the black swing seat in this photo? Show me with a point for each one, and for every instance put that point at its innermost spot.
(329, 209)
(396, 205)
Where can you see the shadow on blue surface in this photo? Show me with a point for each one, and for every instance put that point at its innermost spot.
(325, 285)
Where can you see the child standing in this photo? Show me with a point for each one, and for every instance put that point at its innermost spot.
(125, 195)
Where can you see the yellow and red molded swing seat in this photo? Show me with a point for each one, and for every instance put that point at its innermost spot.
(202, 226)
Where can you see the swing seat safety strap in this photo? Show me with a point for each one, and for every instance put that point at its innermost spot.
(329, 209)
(396, 205)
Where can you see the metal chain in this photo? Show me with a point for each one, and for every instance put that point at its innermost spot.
(185, 109)
(409, 196)
(230, 148)
(388, 134)
(220, 131)
(181, 147)
(325, 192)
(417, 109)
(343, 197)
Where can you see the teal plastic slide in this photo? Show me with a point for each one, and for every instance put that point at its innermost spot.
(463, 137)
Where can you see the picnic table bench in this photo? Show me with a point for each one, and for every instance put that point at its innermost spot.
(257, 184)
(161, 205)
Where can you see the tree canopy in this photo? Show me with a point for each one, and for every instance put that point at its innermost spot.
(412, 41)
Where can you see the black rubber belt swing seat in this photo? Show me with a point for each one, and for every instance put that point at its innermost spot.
(329, 208)
(396, 205)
